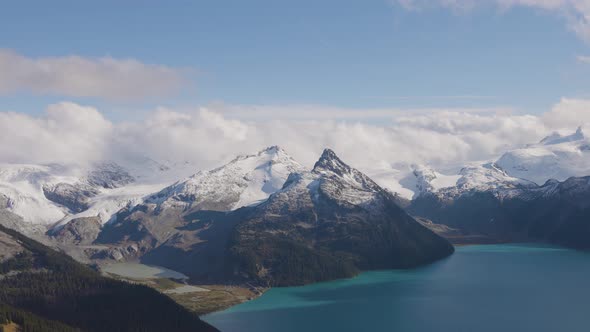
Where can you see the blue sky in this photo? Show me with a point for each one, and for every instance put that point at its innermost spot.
(350, 54)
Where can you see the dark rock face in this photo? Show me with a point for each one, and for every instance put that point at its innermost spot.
(556, 212)
(79, 231)
(74, 197)
(109, 175)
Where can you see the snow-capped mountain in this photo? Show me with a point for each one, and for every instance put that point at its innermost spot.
(22, 186)
(556, 212)
(538, 192)
(320, 224)
(246, 180)
(55, 194)
(424, 180)
(330, 177)
(333, 214)
(410, 180)
(488, 177)
(554, 157)
(557, 157)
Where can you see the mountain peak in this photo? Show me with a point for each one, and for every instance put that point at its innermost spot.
(329, 153)
(246, 180)
(329, 162)
(272, 149)
(331, 166)
(556, 138)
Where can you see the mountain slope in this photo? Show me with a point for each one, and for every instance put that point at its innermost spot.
(244, 181)
(167, 225)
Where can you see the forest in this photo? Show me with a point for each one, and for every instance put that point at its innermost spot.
(44, 290)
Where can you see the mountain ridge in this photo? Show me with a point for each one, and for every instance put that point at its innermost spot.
(326, 223)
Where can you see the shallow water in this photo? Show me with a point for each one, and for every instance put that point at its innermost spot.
(479, 288)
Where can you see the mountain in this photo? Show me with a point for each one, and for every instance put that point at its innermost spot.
(323, 224)
(44, 290)
(529, 194)
(556, 157)
(556, 212)
(478, 178)
(244, 181)
(329, 223)
(22, 186)
(50, 196)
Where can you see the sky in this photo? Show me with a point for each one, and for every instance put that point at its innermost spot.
(382, 81)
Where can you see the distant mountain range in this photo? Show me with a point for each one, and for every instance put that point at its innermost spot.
(327, 223)
(51, 195)
(536, 193)
(262, 217)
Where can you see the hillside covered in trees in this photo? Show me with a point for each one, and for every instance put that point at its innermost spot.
(44, 290)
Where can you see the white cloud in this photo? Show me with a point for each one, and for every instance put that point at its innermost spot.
(323, 112)
(575, 12)
(67, 133)
(208, 137)
(568, 113)
(583, 59)
(201, 136)
(77, 76)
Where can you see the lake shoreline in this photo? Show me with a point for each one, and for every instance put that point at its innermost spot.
(198, 298)
(218, 298)
(506, 277)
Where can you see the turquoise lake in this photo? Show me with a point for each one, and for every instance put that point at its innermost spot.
(479, 288)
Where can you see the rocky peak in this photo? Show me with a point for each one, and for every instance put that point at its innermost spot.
(271, 154)
(109, 175)
(333, 170)
(557, 138)
(274, 149)
(330, 163)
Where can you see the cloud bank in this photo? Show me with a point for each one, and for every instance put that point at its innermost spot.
(76, 76)
(205, 137)
(575, 12)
